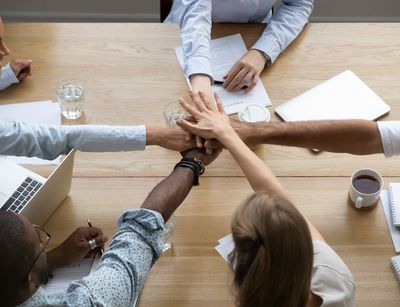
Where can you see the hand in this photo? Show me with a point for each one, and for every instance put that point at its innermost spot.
(212, 121)
(76, 247)
(21, 68)
(246, 71)
(200, 153)
(169, 138)
(244, 130)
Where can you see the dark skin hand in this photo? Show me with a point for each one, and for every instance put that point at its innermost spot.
(76, 247)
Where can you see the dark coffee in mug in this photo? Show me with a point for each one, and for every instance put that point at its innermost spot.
(366, 184)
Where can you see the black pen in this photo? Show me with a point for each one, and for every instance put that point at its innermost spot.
(217, 82)
(90, 225)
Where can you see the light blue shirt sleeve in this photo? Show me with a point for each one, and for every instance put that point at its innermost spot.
(122, 269)
(284, 26)
(194, 19)
(49, 141)
(7, 77)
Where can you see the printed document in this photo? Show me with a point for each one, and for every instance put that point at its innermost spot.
(225, 52)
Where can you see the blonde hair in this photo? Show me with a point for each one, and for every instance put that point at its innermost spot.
(273, 253)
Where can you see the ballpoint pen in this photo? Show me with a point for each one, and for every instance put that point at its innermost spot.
(217, 82)
(90, 225)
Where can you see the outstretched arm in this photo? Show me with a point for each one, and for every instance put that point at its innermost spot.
(49, 141)
(213, 123)
(169, 193)
(360, 137)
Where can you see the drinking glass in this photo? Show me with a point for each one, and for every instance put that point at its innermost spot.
(71, 94)
(168, 233)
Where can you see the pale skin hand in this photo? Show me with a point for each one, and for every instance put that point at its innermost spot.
(22, 68)
(245, 72)
(202, 83)
(213, 123)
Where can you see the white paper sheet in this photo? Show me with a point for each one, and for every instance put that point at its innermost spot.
(394, 232)
(225, 247)
(65, 275)
(43, 112)
(225, 52)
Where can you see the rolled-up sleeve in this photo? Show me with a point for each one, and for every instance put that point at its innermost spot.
(122, 269)
(194, 19)
(390, 135)
(49, 141)
(284, 27)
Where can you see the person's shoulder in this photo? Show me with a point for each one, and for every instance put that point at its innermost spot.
(331, 278)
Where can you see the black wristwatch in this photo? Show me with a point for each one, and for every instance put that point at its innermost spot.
(195, 164)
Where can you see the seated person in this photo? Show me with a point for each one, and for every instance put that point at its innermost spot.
(124, 265)
(280, 258)
(49, 141)
(355, 136)
(195, 18)
(14, 72)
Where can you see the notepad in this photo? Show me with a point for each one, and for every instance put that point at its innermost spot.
(345, 96)
(394, 232)
(394, 202)
(396, 266)
(63, 276)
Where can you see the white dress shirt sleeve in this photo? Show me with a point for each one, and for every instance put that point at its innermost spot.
(49, 141)
(7, 77)
(284, 26)
(390, 134)
(194, 19)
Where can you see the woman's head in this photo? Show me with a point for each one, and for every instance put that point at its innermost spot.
(273, 253)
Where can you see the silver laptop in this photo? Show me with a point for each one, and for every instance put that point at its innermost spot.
(25, 192)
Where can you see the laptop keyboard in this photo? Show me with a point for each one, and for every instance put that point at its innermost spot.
(22, 195)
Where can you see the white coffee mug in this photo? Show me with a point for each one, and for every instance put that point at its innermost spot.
(363, 199)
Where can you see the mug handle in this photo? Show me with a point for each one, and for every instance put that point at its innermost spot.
(358, 202)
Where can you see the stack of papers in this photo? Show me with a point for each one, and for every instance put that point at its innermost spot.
(225, 52)
(41, 112)
(225, 246)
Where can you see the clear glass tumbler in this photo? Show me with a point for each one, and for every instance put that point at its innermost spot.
(71, 94)
(168, 233)
(172, 112)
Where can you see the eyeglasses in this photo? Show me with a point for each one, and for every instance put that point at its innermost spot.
(44, 238)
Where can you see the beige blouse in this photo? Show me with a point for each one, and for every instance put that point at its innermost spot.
(331, 279)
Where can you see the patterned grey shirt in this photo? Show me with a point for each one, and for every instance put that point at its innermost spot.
(122, 269)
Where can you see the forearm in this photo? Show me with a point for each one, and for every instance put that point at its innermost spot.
(201, 82)
(166, 197)
(49, 141)
(284, 26)
(256, 171)
(359, 137)
(261, 177)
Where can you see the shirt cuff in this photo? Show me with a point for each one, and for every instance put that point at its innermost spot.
(198, 65)
(268, 45)
(151, 225)
(7, 77)
(390, 135)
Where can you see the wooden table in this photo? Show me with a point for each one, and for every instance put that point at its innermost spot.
(131, 73)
